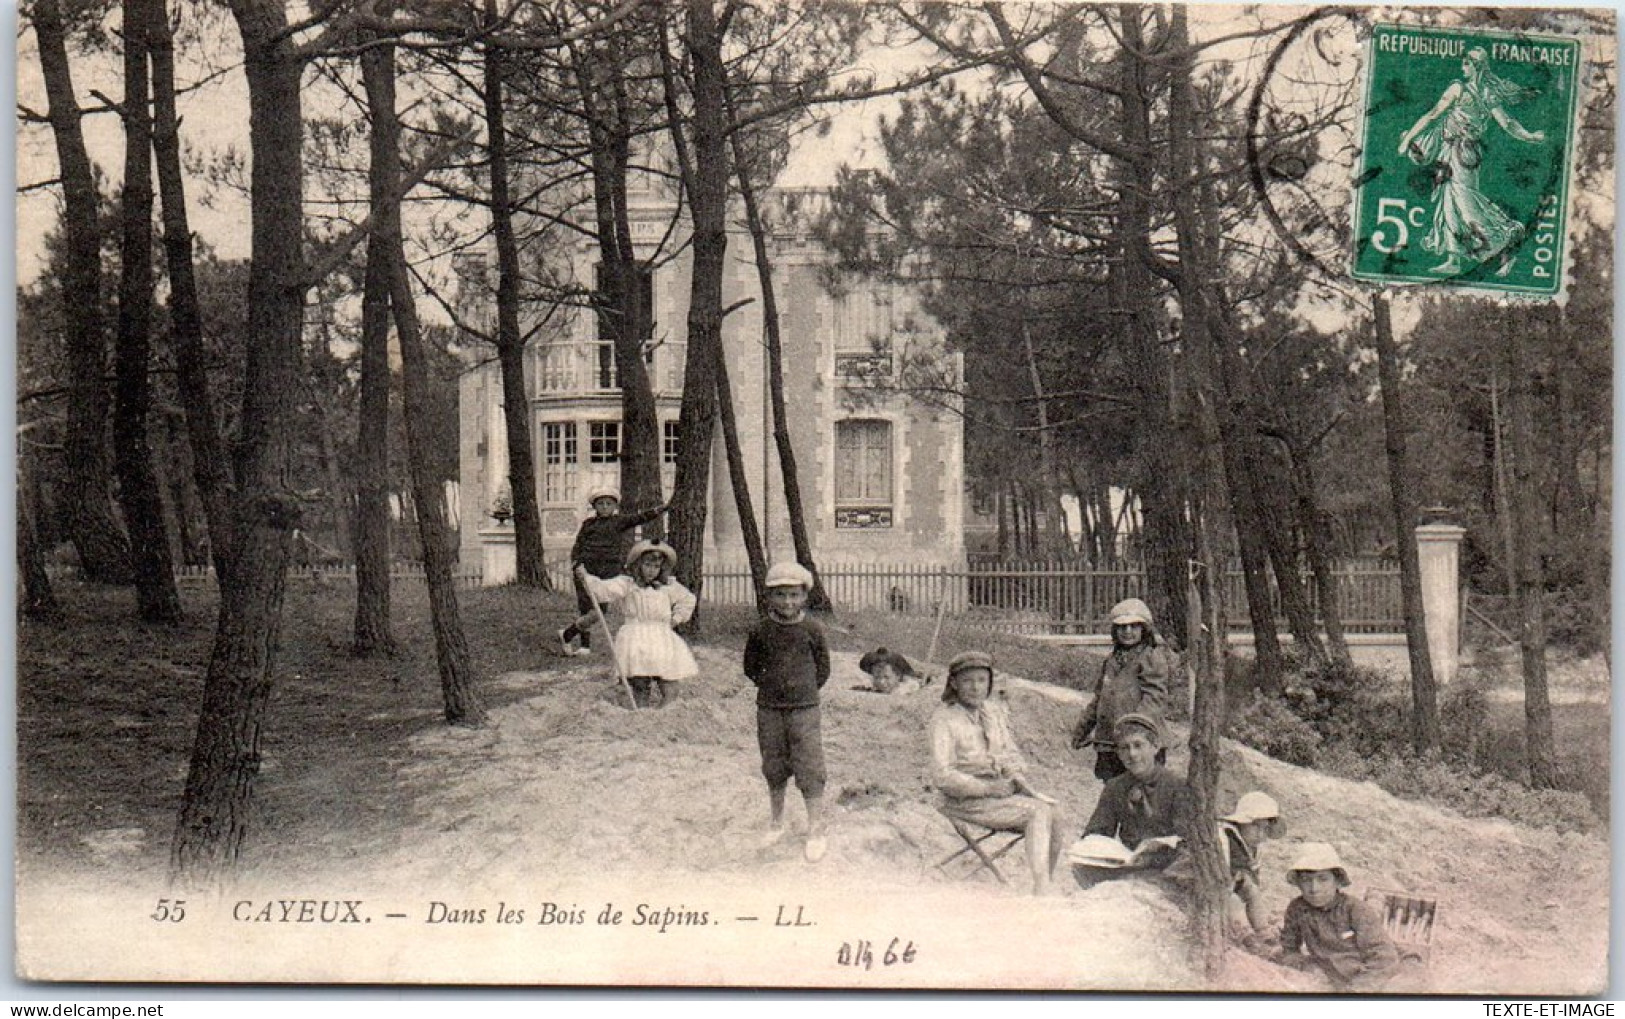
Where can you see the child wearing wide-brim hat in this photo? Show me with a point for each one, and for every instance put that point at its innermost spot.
(648, 651)
(889, 672)
(1255, 820)
(1329, 930)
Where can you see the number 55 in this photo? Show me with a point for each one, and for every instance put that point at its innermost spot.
(1402, 228)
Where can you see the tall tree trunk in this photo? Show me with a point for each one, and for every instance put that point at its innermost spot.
(1207, 723)
(218, 802)
(1271, 490)
(516, 413)
(39, 600)
(87, 498)
(1539, 745)
(460, 701)
(1168, 543)
(818, 599)
(211, 470)
(182, 493)
(1503, 486)
(157, 600)
(1203, 327)
(707, 185)
(371, 524)
(1313, 523)
(1056, 536)
(1402, 492)
(622, 304)
(750, 534)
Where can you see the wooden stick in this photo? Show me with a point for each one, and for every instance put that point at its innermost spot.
(609, 635)
(942, 607)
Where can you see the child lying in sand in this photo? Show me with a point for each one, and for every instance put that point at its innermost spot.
(889, 672)
(1329, 930)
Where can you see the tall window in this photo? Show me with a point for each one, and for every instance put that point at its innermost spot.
(670, 436)
(863, 474)
(559, 460)
(603, 442)
(862, 327)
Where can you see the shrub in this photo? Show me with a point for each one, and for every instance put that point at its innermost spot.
(1348, 705)
(1468, 790)
(1269, 726)
(1464, 722)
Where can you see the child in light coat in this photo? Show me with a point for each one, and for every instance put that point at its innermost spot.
(1133, 680)
(648, 651)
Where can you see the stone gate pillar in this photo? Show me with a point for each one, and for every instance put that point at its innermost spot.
(1438, 547)
(499, 558)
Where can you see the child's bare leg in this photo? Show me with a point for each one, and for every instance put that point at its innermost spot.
(816, 844)
(1253, 902)
(815, 813)
(1039, 860)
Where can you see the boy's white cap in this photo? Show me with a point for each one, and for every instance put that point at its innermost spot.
(1253, 806)
(603, 493)
(789, 575)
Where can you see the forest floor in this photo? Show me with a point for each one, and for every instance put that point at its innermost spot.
(566, 801)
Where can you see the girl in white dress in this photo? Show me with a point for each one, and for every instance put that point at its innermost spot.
(647, 650)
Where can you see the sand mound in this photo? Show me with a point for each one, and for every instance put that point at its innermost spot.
(568, 789)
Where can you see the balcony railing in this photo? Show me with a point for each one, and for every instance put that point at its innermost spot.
(590, 368)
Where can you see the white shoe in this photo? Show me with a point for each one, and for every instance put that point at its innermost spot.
(567, 645)
(582, 652)
(770, 838)
(817, 846)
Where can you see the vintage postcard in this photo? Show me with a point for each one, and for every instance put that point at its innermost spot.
(1026, 497)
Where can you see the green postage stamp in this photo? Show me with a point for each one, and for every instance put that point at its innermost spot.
(1468, 149)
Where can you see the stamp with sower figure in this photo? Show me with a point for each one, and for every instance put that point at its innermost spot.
(1468, 155)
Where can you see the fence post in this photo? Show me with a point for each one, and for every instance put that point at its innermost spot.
(1438, 549)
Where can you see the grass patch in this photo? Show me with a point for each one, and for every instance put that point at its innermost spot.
(107, 706)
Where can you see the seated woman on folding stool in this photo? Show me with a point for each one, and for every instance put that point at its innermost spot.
(980, 772)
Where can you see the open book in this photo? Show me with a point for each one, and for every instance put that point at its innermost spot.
(1106, 852)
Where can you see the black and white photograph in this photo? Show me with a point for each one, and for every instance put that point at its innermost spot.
(837, 494)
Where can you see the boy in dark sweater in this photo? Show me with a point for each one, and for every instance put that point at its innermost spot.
(601, 546)
(787, 659)
(1329, 930)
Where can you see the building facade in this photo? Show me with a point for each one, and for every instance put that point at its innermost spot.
(881, 472)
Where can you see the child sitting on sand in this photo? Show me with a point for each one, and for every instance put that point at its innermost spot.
(1148, 802)
(647, 650)
(1255, 820)
(1329, 930)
